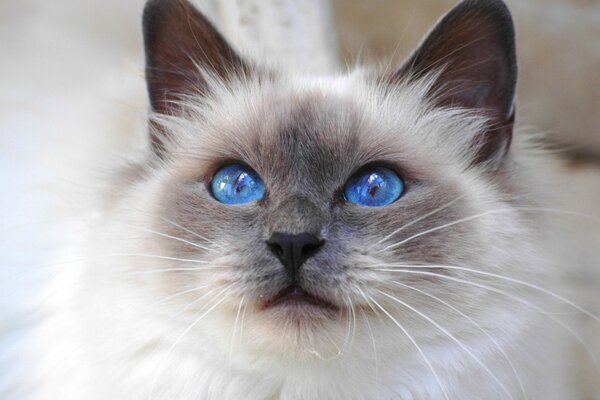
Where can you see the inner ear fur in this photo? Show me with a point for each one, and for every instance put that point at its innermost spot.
(471, 51)
(182, 47)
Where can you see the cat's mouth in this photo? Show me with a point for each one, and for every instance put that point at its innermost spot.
(295, 295)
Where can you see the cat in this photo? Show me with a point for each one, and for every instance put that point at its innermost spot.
(288, 236)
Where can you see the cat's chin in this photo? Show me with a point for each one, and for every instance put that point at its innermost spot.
(298, 311)
(295, 323)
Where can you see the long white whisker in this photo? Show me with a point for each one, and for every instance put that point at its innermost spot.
(343, 347)
(370, 329)
(175, 224)
(242, 324)
(231, 347)
(368, 302)
(179, 338)
(505, 278)
(427, 362)
(45, 268)
(353, 312)
(454, 339)
(372, 337)
(189, 305)
(346, 344)
(561, 212)
(510, 296)
(187, 260)
(199, 236)
(177, 295)
(179, 269)
(478, 326)
(421, 218)
(444, 226)
(114, 255)
(466, 219)
(169, 236)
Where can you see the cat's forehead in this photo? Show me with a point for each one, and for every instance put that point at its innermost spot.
(311, 127)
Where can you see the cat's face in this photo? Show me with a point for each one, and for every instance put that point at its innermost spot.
(302, 263)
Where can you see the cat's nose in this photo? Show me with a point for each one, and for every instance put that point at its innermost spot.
(294, 250)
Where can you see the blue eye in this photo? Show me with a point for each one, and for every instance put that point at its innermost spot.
(237, 184)
(374, 187)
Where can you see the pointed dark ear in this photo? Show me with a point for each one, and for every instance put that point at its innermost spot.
(178, 39)
(473, 49)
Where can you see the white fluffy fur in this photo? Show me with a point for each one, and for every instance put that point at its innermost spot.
(99, 340)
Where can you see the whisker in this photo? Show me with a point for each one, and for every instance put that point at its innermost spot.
(162, 234)
(237, 316)
(444, 226)
(347, 343)
(427, 362)
(189, 305)
(508, 279)
(472, 217)
(111, 255)
(372, 338)
(187, 260)
(192, 232)
(421, 218)
(370, 329)
(173, 223)
(196, 301)
(478, 326)
(454, 339)
(179, 338)
(240, 340)
(44, 270)
(353, 313)
(510, 296)
(177, 295)
(179, 269)
(367, 301)
(560, 212)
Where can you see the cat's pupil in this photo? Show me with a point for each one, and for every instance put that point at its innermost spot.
(373, 190)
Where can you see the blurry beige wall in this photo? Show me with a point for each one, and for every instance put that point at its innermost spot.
(558, 44)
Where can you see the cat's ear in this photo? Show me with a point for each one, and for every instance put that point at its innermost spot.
(472, 50)
(182, 46)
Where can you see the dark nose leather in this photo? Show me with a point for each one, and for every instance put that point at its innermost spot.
(294, 250)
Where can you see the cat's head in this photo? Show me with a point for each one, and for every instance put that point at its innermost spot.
(291, 205)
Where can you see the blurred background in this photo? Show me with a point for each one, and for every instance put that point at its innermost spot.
(73, 101)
